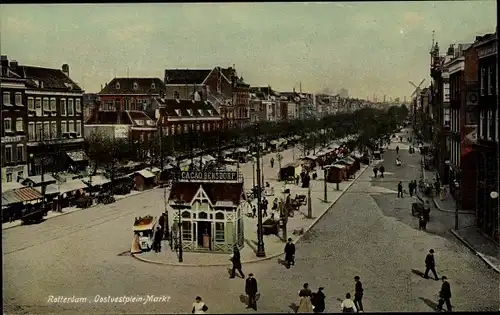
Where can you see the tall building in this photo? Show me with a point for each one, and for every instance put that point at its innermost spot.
(344, 93)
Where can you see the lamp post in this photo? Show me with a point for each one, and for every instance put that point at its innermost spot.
(309, 204)
(260, 238)
(457, 186)
(179, 203)
(253, 172)
(325, 172)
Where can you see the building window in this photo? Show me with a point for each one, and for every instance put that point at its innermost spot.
(79, 128)
(9, 177)
(62, 102)
(19, 99)
(491, 125)
(126, 105)
(153, 86)
(38, 106)
(185, 128)
(78, 105)
(64, 127)
(136, 86)
(46, 130)
(6, 99)
(482, 80)
(20, 175)
(219, 231)
(7, 125)
(19, 125)
(186, 231)
(38, 131)
(31, 131)
(53, 129)
(117, 86)
(71, 109)
(172, 129)
(53, 107)
(490, 80)
(179, 128)
(71, 126)
(8, 154)
(31, 104)
(20, 153)
(46, 107)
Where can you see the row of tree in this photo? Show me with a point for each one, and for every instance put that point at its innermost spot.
(370, 124)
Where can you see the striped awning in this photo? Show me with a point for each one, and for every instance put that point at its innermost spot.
(20, 195)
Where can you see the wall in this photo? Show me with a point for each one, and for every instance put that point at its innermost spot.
(112, 131)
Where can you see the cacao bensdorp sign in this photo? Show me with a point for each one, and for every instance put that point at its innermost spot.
(208, 176)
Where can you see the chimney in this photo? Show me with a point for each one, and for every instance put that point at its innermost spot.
(65, 69)
(5, 65)
(13, 65)
(451, 50)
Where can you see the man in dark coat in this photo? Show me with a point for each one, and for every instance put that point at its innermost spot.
(444, 295)
(236, 260)
(251, 291)
(358, 294)
(397, 149)
(290, 253)
(375, 171)
(410, 188)
(381, 170)
(157, 240)
(400, 190)
(161, 223)
(430, 265)
(319, 301)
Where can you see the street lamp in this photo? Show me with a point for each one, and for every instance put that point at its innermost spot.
(179, 203)
(260, 237)
(457, 186)
(493, 195)
(253, 172)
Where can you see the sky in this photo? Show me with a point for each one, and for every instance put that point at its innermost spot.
(366, 47)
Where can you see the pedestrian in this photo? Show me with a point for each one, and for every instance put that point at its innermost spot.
(358, 294)
(430, 265)
(347, 305)
(290, 253)
(375, 171)
(400, 190)
(265, 203)
(199, 307)
(158, 236)
(254, 211)
(251, 291)
(305, 305)
(410, 188)
(400, 139)
(236, 260)
(427, 211)
(297, 180)
(444, 295)
(319, 301)
(381, 170)
(275, 204)
(272, 162)
(161, 223)
(397, 149)
(422, 225)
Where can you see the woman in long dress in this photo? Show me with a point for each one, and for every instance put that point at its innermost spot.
(305, 305)
(199, 306)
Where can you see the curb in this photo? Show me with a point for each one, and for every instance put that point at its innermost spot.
(470, 247)
(448, 211)
(136, 256)
(79, 209)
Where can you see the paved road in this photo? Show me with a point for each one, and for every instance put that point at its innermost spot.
(78, 255)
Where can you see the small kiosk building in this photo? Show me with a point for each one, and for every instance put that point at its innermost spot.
(210, 207)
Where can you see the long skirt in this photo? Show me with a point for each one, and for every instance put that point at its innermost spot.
(305, 305)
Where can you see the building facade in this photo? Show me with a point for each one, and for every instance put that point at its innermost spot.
(487, 135)
(14, 125)
(52, 118)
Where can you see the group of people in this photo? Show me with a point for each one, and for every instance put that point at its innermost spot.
(380, 169)
(310, 302)
(445, 292)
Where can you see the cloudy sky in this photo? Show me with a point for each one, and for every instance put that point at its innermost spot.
(372, 47)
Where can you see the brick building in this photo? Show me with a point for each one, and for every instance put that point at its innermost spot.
(487, 135)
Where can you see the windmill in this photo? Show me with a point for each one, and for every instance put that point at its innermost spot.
(417, 88)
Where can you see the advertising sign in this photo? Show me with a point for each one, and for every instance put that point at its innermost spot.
(198, 176)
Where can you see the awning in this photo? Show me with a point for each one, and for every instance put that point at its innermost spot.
(145, 173)
(310, 157)
(209, 158)
(339, 166)
(274, 142)
(96, 180)
(51, 189)
(20, 195)
(37, 179)
(154, 170)
(241, 150)
(11, 186)
(71, 185)
(77, 156)
(169, 167)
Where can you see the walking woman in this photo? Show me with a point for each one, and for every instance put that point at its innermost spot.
(305, 305)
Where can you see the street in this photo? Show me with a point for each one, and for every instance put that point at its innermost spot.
(368, 232)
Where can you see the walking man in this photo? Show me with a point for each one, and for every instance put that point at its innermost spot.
(265, 203)
(400, 190)
(375, 171)
(251, 291)
(236, 260)
(430, 265)
(410, 188)
(254, 211)
(319, 301)
(397, 149)
(444, 295)
(157, 240)
(382, 170)
(358, 294)
(290, 253)
(272, 162)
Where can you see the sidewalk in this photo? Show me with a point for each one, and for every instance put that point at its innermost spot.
(55, 214)
(481, 245)
(274, 245)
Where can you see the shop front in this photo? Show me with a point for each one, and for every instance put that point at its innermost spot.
(210, 207)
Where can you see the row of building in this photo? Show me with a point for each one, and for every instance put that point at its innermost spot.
(459, 113)
(46, 115)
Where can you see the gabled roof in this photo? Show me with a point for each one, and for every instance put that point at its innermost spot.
(216, 192)
(186, 108)
(140, 119)
(186, 76)
(53, 79)
(133, 86)
(109, 118)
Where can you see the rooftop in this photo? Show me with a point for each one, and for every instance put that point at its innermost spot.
(133, 86)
